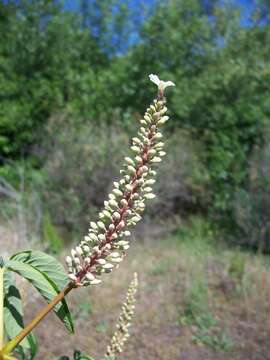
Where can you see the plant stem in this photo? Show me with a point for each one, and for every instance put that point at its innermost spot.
(2, 269)
(10, 346)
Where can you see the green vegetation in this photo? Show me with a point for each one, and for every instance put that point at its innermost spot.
(61, 83)
(51, 236)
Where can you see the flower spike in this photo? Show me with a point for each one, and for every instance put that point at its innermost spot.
(122, 327)
(106, 243)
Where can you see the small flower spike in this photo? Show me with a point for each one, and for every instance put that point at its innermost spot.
(160, 84)
(106, 243)
(122, 333)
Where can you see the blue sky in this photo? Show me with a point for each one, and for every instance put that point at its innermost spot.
(246, 5)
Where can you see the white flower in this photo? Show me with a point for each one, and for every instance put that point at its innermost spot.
(160, 83)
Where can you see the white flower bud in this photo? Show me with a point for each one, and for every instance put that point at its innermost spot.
(147, 118)
(111, 196)
(147, 189)
(101, 237)
(131, 170)
(114, 254)
(138, 159)
(124, 202)
(122, 242)
(129, 161)
(73, 253)
(158, 135)
(149, 196)
(79, 250)
(68, 260)
(116, 260)
(72, 277)
(93, 225)
(111, 227)
(156, 159)
(159, 145)
(117, 192)
(136, 149)
(141, 205)
(146, 141)
(107, 213)
(136, 141)
(101, 225)
(90, 276)
(86, 248)
(129, 187)
(108, 266)
(163, 120)
(150, 182)
(121, 225)
(152, 152)
(162, 111)
(135, 219)
(101, 261)
(116, 215)
(113, 203)
(95, 282)
(96, 249)
(144, 168)
(135, 196)
(93, 237)
(127, 233)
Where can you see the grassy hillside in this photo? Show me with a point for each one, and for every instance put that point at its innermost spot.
(197, 300)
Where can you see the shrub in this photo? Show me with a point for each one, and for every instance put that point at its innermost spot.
(251, 205)
(79, 162)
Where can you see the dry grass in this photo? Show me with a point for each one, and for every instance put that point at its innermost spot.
(195, 301)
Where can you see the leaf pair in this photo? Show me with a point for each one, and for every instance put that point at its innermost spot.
(48, 276)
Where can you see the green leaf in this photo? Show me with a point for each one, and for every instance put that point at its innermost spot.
(39, 276)
(13, 318)
(44, 263)
(79, 356)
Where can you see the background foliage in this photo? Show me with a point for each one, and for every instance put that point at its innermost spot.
(73, 82)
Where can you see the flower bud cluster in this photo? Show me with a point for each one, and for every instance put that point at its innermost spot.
(122, 333)
(107, 240)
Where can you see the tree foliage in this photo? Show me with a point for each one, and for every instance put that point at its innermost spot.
(91, 63)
